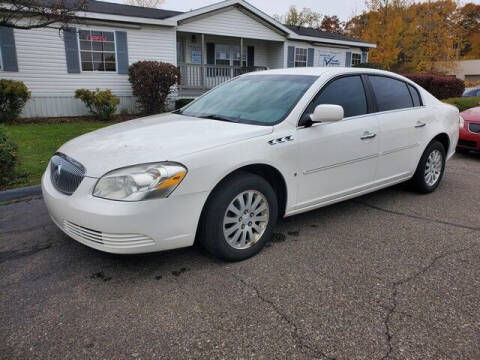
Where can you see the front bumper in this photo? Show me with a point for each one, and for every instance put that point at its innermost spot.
(468, 140)
(124, 227)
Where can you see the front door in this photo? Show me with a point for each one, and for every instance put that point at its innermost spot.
(338, 159)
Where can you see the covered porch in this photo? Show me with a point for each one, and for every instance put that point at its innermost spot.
(206, 61)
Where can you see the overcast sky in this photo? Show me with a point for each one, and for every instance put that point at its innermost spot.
(344, 9)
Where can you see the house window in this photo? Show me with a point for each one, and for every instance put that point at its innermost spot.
(236, 56)
(222, 54)
(97, 50)
(356, 58)
(300, 57)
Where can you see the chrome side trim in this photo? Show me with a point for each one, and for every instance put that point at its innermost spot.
(348, 162)
(353, 161)
(391, 151)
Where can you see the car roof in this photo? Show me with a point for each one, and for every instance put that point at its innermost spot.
(319, 71)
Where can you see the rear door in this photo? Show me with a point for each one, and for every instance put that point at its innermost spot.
(403, 121)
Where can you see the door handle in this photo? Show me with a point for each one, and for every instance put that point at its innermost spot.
(420, 124)
(368, 135)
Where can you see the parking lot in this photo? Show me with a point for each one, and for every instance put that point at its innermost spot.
(390, 275)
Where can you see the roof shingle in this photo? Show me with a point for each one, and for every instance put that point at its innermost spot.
(306, 31)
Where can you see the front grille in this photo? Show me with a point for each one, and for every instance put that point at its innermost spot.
(475, 128)
(66, 174)
(106, 239)
(467, 143)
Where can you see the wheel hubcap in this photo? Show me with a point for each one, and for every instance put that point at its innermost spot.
(246, 219)
(433, 168)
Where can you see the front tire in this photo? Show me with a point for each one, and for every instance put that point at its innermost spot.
(239, 217)
(430, 169)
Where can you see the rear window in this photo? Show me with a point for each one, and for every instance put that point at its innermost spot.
(415, 96)
(391, 94)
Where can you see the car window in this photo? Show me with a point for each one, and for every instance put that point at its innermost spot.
(391, 94)
(347, 92)
(252, 99)
(415, 96)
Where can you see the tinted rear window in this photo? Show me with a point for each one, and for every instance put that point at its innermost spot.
(391, 94)
(415, 96)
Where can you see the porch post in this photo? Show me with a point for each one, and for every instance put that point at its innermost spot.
(204, 61)
(241, 52)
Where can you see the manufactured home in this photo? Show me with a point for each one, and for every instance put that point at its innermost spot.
(210, 45)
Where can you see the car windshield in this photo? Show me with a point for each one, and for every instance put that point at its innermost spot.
(252, 99)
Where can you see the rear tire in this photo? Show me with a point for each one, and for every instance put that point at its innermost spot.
(430, 169)
(239, 217)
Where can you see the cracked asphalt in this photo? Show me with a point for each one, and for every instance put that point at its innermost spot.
(390, 275)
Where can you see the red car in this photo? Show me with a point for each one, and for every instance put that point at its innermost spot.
(469, 138)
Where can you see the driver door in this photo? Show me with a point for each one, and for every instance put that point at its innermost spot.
(340, 158)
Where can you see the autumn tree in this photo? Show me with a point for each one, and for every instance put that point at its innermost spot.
(331, 24)
(145, 3)
(32, 14)
(468, 19)
(306, 17)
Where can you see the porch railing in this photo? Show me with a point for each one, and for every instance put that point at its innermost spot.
(204, 77)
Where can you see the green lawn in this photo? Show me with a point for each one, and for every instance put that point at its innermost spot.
(38, 142)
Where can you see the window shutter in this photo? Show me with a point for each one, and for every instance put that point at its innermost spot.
(348, 59)
(250, 56)
(9, 52)
(122, 51)
(311, 54)
(364, 57)
(291, 57)
(210, 53)
(71, 50)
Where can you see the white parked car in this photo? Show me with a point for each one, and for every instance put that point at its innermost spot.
(265, 145)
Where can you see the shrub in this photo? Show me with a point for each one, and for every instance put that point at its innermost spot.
(471, 84)
(369, 66)
(13, 97)
(182, 102)
(152, 82)
(464, 103)
(101, 103)
(8, 157)
(440, 86)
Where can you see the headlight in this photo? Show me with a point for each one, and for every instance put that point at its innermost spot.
(461, 122)
(140, 182)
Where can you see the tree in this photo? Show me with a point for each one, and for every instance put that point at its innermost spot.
(32, 14)
(469, 27)
(145, 3)
(306, 17)
(331, 24)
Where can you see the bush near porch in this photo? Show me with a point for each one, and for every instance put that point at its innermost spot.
(464, 103)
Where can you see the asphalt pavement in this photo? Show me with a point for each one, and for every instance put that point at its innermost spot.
(390, 275)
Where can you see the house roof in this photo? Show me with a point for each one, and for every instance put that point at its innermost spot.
(103, 7)
(307, 31)
(114, 11)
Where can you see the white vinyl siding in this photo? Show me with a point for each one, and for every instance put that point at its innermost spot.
(42, 63)
(230, 22)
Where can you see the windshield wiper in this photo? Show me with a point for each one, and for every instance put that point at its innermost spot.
(218, 117)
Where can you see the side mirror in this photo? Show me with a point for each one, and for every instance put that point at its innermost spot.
(327, 113)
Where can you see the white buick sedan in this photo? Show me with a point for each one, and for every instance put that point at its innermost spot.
(265, 145)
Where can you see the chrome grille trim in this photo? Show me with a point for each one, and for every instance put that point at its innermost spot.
(106, 239)
(66, 173)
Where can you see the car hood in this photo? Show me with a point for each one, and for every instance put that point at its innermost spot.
(471, 115)
(156, 138)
